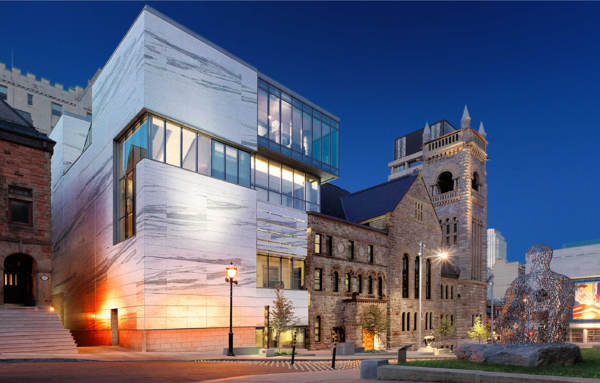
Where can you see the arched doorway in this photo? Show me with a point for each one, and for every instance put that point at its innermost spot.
(18, 279)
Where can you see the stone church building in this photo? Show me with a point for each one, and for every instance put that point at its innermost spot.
(363, 247)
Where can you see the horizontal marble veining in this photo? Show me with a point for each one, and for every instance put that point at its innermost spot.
(190, 81)
(280, 230)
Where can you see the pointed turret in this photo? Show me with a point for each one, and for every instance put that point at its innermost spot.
(465, 122)
(482, 129)
(426, 132)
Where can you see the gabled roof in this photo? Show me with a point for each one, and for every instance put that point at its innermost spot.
(331, 204)
(15, 128)
(376, 200)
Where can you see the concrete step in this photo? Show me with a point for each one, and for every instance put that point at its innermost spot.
(36, 340)
(33, 331)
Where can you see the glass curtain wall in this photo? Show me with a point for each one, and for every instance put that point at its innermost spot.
(166, 141)
(295, 129)
(283, 185)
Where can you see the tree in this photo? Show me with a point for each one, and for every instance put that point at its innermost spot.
(373, 321)
(479, 330)
(445, 328)
(283, 314)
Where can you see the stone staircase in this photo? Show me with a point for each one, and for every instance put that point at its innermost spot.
(33, 330)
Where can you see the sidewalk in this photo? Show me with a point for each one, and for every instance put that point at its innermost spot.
(116, 353)
(339, 376)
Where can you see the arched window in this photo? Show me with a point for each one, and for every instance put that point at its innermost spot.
(360, 284)
(405, 276)
(445, 182)
(451, 292)
(417, 277)
(348, 283)
(428, 279)
(441, 291)
(426, 317)
(403, 321)
(430, 321)
(336, 281)
(475, 181)
(317, 329)
(370, 285)
(407, 321)
(380, 287)
(446, 292)
(415, 322)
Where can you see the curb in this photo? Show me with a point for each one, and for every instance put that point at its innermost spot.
(447, 375)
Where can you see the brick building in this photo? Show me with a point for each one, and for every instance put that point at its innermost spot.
(25, 238)
(364, 252)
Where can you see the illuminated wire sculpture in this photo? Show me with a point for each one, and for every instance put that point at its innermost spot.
(538, 305)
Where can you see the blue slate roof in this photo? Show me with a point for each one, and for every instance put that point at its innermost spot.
(14, 127)
(376, 200)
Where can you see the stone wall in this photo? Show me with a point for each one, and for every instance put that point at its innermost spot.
(328, 304)
(26, 167)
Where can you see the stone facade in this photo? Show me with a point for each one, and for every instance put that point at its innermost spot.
(394, 235)
(25, 177)
(35, 97)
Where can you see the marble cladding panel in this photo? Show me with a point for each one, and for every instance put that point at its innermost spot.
(190, 81)
(91, 274)
(280, 230)
(193, 226)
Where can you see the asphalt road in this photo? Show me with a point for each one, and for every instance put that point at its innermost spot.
(125, 372)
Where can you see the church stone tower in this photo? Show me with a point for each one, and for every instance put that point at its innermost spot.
(453, 165)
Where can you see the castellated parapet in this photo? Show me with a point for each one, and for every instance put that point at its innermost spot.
(40, 101)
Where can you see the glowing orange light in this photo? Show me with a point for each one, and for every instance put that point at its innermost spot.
(52, 309)
(231, 271)
(530, 333)
(443, 255)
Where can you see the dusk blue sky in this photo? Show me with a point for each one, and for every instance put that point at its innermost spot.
(530, 72)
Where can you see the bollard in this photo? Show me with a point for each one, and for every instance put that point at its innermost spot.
(334, 349)
(293, 348)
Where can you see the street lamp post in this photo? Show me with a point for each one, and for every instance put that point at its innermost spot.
(441, 256)
(491, 281)
(230, 274)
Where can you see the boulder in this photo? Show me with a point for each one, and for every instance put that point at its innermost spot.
(530, 355)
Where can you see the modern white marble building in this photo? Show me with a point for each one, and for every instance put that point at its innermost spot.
(192, 159)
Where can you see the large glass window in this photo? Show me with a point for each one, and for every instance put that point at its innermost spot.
(3, 92)
(218, 160)
(244, 168)
(132, 148)
(297, 129)
(325, 130)
(316, 143)
(157, 139)
(262, 113)
(279, 272)
(291, 127)
(286, 124)
(274, 118)
(405, 276)
(335, 149)
(283, 185)
(173, 135)
(231, 164)
(417, 277)
(204, 153)
(189, 146)
(306, 134)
